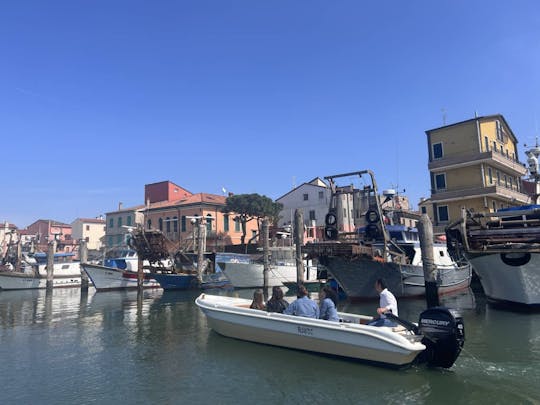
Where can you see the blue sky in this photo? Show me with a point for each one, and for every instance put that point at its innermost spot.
(99, 98)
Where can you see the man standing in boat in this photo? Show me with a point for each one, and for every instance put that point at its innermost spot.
(387, 304)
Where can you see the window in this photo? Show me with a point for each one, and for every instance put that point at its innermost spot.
(168, 224)
(321, 195)
(306, 197)
(183, 223)
(498, 177)
(110, 241)
(237, 224)
(175, 224)
(505, 181)
(437, 150)
(225, 223)
(499, 130)
(161, 224)
(511, 182)
(490, 175)
(253, 233)
(128, 220)
(312, 215)
(111, 223)
(149, 224)
(440, 181)
(209, 222)
(87, 227)
(119, 239)
(424, 210)
(494, 206)
(442, 213)
(87, 239)
(486, 143)
(495, 146)
(119, 222)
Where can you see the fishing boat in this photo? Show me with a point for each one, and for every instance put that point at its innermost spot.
(369, 243)
(436, 340)
(504, 250)
(31, 272)
(246, 271)
(110, 278)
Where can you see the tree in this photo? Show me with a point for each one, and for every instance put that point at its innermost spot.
(248, 207)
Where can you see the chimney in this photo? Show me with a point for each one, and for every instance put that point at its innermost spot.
(120, 206)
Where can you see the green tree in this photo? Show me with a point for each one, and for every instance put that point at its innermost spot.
(248, 207)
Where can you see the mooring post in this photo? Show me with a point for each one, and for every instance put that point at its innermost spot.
(140, 272)
(83, 258)
(299, 241)
(50, 264)
(266, 252)
(425, 233)
(201, 236)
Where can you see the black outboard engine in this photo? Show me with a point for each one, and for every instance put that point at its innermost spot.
(444, 336)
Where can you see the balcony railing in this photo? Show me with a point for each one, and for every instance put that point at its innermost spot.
(495, 158)
(472, 192)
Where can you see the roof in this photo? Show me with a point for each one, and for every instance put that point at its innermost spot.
(485, 117)
(129, 209)
(91, 220)
(52, 222)
(199, 198)
(316, 182)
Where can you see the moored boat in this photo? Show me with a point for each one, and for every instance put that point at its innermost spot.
(31, 273)
(504, 250)
(110, 278)
(437, 340)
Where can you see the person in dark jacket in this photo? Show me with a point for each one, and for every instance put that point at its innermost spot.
(276, 303)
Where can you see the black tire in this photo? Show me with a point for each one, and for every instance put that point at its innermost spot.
(330, 219)
(372, 216)
(330, 233)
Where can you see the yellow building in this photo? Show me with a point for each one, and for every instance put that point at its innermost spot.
(472, 164)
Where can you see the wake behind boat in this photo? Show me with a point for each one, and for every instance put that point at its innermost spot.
(437, 340)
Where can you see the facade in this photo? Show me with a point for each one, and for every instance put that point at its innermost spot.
(175, 211)
(119, 223)
(313, 198)
(92, 230)
(472, 164)
(45, 230)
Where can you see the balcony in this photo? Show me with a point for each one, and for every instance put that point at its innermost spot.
(495, 159)
(513, 196)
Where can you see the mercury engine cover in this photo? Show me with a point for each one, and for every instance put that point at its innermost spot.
(444, 336)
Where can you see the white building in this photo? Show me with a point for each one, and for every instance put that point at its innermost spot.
(92, 230)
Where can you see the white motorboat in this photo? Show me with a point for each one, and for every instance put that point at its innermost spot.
(246, 271)
(31, 273)
(437, 340)
(504, 250)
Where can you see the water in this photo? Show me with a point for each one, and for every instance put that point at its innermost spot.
(118, 347)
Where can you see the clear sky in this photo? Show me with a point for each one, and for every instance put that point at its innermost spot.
(100, 97)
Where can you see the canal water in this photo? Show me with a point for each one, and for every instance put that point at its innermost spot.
(65, 347)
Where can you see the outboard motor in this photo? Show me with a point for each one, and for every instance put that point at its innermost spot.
(444, 336)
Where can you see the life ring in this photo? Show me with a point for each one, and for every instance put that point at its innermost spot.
(372, 216)
(516, 259)
(330, 219)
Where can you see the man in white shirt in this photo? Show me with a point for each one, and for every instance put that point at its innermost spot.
(387, 303)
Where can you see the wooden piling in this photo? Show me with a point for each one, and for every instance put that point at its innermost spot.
(83, 258)
(425, 234)
(299, 241)
(266, 251)
(140, 272)
(201, 244)
(50, 264)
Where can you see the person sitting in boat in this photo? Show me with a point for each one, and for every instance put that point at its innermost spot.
(387, 304)
(327, 304)
(258, 301)
(276, 303)
(303, 305)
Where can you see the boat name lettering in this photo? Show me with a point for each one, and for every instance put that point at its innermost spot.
(435, 322)
(303, 330)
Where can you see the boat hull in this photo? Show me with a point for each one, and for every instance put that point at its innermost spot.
(108, 278)
(176, 281)
(64, 275)
(357, 277)
(250, 275)
(506, 283)
(367, 343)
